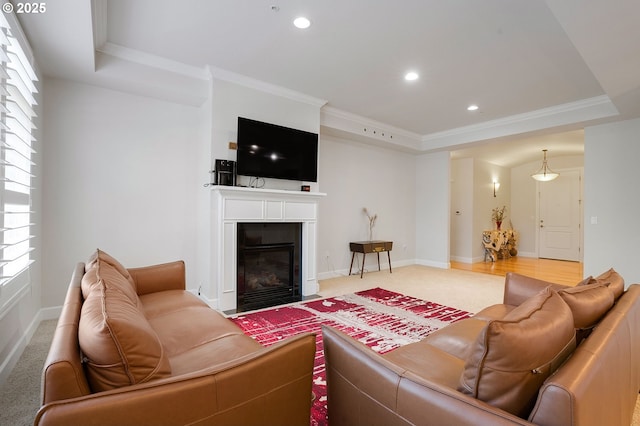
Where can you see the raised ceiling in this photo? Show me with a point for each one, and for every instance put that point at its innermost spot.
(529, 65)
(509, 57)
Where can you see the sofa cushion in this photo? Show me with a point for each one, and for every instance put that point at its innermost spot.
(586, 281)
(513, 356)
(493, 312)
(588, 303)
(457, 338)
(428, 362)
(102, 272)
(100, 259)
(613, 280)
(119, 346)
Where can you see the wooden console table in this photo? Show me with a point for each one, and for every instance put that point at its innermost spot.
(365, 247)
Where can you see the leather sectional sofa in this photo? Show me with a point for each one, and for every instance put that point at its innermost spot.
(548, 355)
(133, 347)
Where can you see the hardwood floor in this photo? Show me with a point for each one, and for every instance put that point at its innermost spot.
(556, 271)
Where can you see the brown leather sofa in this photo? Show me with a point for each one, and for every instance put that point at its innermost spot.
(549, 355)
(132, 347)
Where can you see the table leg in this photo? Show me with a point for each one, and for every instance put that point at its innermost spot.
(378, 261)
(353, 254)
(389, 257)
(364, 255)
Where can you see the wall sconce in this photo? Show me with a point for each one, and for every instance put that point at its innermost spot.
(496, 186)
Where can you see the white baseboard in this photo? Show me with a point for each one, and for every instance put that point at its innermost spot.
(17, 350)
(527, 254)
(327, 275)
(481, 258)
(394, 264)
(213, 303)
(441, 265)
(468, 260)
(50, 313)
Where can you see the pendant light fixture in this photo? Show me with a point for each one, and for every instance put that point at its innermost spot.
(545, 173)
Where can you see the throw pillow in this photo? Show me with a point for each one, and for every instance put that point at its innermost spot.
(104, 257)
(513, 356)
(586, 281)
(588, 303)
(104, 271)
(119, 346)
(614, 281)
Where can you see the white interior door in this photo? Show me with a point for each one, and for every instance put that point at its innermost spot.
(560, 217)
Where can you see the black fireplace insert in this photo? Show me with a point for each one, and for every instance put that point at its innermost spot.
(269, 257)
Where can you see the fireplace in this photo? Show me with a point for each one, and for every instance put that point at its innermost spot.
(232, 206)
(268, 265)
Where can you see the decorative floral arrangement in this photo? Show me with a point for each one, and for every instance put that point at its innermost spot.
(497, 214)
(372, 221)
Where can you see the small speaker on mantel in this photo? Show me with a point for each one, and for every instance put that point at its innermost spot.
(305, 188)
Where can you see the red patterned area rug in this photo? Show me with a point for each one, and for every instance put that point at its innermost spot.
(381, 319)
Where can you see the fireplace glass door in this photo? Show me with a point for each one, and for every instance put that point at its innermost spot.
(268, 271)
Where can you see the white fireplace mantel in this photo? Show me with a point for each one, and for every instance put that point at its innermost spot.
(231, 205)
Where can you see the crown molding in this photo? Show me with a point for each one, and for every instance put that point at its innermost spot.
(101, 44)
(569, 113)
(364, 121)
(346, 125)
(262, 86)
(352, 125)
(153, 61)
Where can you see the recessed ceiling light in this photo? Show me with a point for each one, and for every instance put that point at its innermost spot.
(472, 107)
(411, 76)
(301, 22)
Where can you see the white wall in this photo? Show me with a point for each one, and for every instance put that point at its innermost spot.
(355, 175)
(432, 209)
(231, 101)
(524, 205)
(118, 175)
(462, 211)
(611, 178)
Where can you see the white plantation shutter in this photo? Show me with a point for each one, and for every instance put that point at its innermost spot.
(16, 152)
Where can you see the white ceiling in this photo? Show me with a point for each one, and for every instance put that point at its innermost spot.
(531, 65)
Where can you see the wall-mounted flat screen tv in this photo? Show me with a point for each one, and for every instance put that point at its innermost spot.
(270, 151)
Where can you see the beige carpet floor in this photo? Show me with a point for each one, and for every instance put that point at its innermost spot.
(20, 394)
(471, 291)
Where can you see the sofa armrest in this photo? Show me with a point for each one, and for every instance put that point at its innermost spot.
(166, 276)
(269, 386)
(63, 376)
(518, 288)
(365, 388)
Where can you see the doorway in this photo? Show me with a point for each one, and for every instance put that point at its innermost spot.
(560, 217)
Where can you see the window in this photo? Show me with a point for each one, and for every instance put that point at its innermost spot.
(17, 90)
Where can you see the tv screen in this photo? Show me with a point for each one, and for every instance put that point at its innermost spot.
(271, 151)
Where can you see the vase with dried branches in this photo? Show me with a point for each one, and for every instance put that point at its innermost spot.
(497, 215)
(372, 221)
